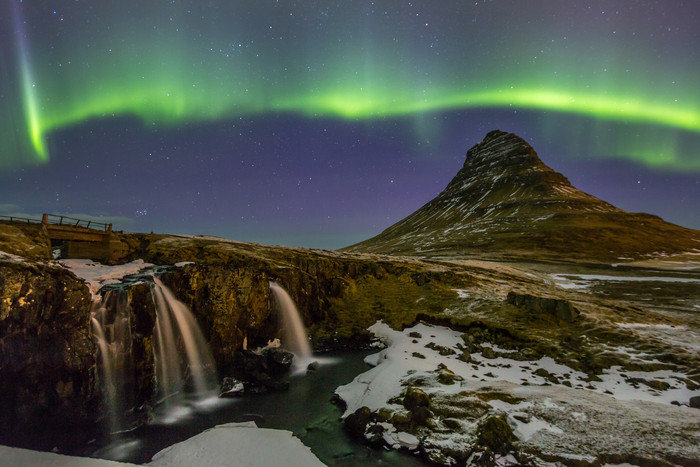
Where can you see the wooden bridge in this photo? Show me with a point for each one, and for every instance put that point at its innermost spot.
(77, 238)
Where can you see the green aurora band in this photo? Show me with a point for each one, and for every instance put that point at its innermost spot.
(386, 74)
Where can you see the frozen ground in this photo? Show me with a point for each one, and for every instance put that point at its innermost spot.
(551, 407)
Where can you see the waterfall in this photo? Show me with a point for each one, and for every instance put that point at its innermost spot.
(111, 326)
(295, 339)
(184, 364)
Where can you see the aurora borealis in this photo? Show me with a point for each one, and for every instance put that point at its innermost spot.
(321, 123)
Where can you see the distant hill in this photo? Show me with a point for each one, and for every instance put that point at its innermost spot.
(505, 202)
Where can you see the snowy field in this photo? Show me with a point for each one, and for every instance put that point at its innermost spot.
(554, 408)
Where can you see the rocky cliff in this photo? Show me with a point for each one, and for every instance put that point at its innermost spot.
(506, 203)
(47, 354)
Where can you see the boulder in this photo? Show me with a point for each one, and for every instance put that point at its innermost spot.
(415, 398)
(495, 433)
(356, 423)
(262, 371)
(231, 387)
(694, 402)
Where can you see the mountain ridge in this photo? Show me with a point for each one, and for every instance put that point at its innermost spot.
(505, 202)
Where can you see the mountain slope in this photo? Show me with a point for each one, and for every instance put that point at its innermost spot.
(505, 202)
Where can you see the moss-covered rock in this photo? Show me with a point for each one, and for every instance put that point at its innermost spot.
(415, 398)
(495, 434)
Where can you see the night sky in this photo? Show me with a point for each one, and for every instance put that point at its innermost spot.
(319, 124)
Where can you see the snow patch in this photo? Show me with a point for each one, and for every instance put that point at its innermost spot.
(585, 281)
(96, 274)
(10, 257)
(242, 444)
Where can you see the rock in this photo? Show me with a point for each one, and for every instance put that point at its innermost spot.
(313, 366)
(415, 398)
(231, 387)
(356, 423)
(280, 361)
(560, 309)
(415, 335)
(652, 383)
(418, 355)
(495, 433)
(465, 357)
(420, 415)
(694, 402)
(488, 353)
(261, 372)
(452, 423)
(442, 350)
(47, 352)
(374, 435)
(447, 376)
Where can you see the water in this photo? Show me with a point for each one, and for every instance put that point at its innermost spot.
(186, 376)
(305, 410)
(295, 338)
(111, 326)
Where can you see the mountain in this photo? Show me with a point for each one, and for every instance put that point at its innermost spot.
(506, 203)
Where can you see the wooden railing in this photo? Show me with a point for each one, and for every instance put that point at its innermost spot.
(20, 220)
(56, 219)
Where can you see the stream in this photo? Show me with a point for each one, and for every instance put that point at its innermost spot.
(305, 409)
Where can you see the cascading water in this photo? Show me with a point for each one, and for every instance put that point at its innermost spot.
(181, 353)
(295, 338)
(111, 325)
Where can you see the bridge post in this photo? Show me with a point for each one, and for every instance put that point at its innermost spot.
(45, 219)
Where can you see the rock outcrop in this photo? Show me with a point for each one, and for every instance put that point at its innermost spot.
(506, 203)
(557, 308)
(47, 355)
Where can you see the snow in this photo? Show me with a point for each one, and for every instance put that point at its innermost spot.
(398, 362)
(236, 444)
(11, 257)
(96, 274)
(183, 264)
(232, 444)
(462, 293)
(18, 457)
(584, 281)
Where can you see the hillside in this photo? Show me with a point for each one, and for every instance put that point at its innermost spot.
(506, 203)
